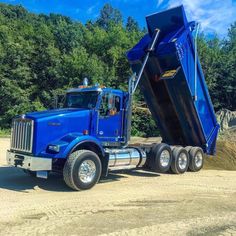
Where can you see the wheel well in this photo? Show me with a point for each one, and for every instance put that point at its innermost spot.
(89, 146)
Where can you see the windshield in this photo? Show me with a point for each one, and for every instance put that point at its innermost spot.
(86, 100)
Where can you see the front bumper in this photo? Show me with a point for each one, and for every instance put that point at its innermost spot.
(29, 162)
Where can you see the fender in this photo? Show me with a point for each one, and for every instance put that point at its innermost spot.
(69, 143)
(82, 140)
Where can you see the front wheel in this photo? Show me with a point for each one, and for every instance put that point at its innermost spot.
(82, 170)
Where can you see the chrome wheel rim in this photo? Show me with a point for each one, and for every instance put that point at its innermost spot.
(87, 171)
(165, 158)
(183, 160)
(198, 159)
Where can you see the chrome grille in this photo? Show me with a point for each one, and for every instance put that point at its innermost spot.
(22, 135)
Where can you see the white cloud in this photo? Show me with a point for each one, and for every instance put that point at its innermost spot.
(214, 15)
(91, 9)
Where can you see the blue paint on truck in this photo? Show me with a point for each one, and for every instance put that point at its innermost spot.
(182, 108)
(92, 131)
(66, 127)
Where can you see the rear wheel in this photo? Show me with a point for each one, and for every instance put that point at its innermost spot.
(188, 148)
(161, 158)
(82, 170)
(196, 159)
(180, 161)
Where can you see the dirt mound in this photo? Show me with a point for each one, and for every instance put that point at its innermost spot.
(228, 135)
(226, 119)
(225, 158)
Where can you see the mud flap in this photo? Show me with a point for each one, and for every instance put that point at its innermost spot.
(42, 174)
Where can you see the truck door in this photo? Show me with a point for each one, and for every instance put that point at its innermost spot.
(110, 118)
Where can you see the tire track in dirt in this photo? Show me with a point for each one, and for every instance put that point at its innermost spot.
(31, 221)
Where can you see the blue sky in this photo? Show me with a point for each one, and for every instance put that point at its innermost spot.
(215, 16)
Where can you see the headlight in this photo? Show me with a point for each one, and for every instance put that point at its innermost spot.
(54, 148)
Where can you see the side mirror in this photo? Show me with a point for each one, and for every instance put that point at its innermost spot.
(55, 102)
(58, 101)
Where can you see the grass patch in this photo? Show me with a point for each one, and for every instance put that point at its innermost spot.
(5, 133)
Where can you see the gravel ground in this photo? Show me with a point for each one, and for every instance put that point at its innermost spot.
(130, 202)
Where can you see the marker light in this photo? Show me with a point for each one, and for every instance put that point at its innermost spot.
(85, 132)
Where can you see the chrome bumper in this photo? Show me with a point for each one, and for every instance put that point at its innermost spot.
(28, 162)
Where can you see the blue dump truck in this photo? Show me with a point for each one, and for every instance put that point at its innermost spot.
(90, 134)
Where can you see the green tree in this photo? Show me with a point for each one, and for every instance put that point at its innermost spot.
(229, 84)
(43, 55)
(132, 25)
(109, 15)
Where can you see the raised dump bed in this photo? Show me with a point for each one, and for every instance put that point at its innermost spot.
(178, 100)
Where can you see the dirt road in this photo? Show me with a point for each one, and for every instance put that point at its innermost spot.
(131, 202)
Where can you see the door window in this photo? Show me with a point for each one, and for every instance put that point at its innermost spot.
(110, 105)
(117, 103)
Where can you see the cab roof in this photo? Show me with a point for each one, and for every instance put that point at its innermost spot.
(93, 89)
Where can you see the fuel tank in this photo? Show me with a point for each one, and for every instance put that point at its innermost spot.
(129, 157)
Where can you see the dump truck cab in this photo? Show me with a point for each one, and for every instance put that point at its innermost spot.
(88, 114)
(91, 117)
(106, 106)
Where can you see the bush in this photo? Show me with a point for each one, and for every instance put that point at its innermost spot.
(143, 124)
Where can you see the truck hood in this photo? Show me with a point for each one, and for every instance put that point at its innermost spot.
(54, 113)
(53, 125)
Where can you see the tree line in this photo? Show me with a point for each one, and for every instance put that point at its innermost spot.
(43, 55)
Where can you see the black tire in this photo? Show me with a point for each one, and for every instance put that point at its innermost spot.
(188, 148)
(196, 159)
(161, 158)
(73, 166)
(180, 160)
(30, 173)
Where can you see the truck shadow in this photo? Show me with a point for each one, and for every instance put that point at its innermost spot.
(116, 175)
(16, 180)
